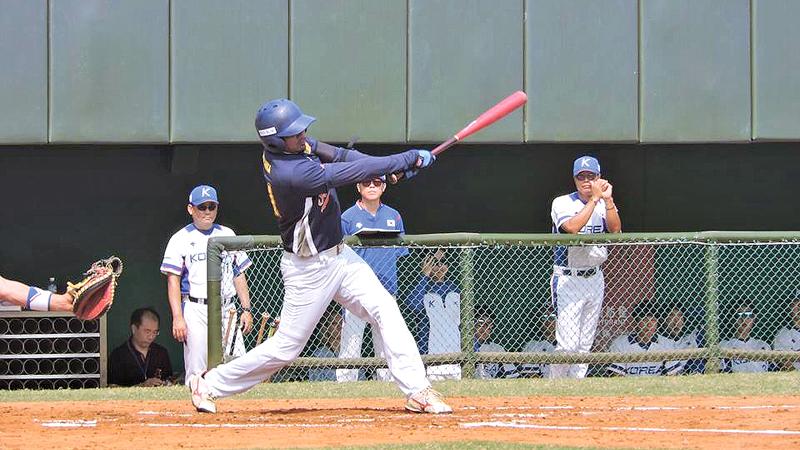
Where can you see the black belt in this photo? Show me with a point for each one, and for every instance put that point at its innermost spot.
(199, 301)
(579, 273)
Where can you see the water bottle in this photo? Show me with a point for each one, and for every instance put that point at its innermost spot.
(52, 287)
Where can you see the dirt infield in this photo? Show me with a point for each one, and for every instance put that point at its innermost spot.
(636, 422)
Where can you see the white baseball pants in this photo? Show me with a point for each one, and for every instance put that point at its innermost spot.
(350, 347)
(310, 284)
(195, 349)
(577, 301)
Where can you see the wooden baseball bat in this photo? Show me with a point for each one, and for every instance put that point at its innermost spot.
(231, 316)
(490, 116)
(264, 320)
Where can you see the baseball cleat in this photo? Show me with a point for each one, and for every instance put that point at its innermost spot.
(428, 401)
(202, 400)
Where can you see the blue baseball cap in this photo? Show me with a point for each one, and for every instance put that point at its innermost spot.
(202, 194)
(585, 164)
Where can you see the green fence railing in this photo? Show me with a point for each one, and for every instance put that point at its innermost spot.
(709, 301)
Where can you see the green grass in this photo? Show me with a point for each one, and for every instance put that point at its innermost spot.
(787, 383)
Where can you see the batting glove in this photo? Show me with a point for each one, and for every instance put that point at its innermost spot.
(424, 158)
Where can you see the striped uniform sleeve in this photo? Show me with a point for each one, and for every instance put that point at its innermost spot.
(560, 212)
(173, 258)
(241, 262)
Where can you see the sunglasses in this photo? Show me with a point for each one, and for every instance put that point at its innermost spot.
(210, 207)
(745, 314)
(584, 176)
(376, 183)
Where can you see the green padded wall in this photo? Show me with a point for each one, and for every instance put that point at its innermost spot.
(581, 69)
(695, 70)
(23, 77)
(464, 56)
(348, 67)
(109, 70)
(776, 65)
(226, 59)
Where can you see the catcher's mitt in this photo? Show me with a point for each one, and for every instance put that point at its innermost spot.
(93, 295)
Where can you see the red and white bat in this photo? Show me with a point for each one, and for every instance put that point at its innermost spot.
(492, 115)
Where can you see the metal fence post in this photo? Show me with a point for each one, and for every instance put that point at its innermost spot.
(712, 306)
(467, 314)
(214, 301)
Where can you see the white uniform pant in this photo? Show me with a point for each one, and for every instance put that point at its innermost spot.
(350, 347)
(310, 284)
(195, 349)
(577, 301)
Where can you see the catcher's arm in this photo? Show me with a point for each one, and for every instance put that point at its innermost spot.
(174, 296)
(240, 283)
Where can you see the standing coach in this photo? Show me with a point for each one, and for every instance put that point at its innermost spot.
(577, 284)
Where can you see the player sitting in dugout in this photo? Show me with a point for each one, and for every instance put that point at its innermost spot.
(645, 338)
(543, 342)
(675, 331)
(435, 304)
(744, 321)
(484, 325)
(788, 338)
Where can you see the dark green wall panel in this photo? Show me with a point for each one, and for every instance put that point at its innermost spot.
(227, 58)
(464, 56)
(695, 66)
(109, 71)
(776, 69)
(23, 76)
(348, 67)
(581, 70)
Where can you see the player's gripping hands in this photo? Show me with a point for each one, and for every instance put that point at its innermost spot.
(424, 159)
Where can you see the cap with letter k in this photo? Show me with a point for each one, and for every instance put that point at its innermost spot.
(202, 194)
(585, 164)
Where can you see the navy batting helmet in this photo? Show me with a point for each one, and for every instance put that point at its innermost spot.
(280, 118)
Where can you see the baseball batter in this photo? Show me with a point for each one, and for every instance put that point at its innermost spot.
(184, 265)
(788, 338)
(370, 215)
(302, 175)
(745, 320)
(577, 284)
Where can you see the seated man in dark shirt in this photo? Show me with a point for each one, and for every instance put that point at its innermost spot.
(140, 361)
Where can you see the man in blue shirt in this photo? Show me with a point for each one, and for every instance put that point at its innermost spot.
(370, 216)
(302, 175)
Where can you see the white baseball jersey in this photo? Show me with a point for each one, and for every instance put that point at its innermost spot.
(537, 370)
(788, 339)
(627, 343)
(744, 365)
(566, 207)
(185, 256)
(495, 370)
(688, 341)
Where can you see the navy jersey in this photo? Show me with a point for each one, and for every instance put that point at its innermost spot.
(383, 261)
(301, 189)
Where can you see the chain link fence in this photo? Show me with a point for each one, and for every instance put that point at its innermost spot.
(498, 306)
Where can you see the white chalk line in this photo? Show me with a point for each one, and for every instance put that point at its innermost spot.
(644, 429)
(241, 425)
(59, 423)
